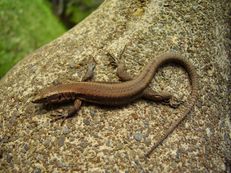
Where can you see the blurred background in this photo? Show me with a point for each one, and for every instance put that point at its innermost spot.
(26, 25)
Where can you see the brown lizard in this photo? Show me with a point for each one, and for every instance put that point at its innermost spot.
(114, 94)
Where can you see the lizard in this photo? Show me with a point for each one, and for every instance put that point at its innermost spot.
(121, 93)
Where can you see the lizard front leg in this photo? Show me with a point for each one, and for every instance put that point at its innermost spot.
(71, 113)
(77, 104)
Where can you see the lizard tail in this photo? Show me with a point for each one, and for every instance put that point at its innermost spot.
(185, 108)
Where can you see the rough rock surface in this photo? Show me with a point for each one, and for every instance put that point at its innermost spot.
(112, 140)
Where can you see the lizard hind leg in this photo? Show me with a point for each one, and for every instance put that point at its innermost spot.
(148, 93)
(71, 113)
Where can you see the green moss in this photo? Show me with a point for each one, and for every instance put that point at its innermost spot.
(77, 10)
(25, 26)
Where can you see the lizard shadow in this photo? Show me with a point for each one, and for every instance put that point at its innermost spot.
(68, 104)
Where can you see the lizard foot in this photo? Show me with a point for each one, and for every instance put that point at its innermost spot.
(58, 117)
(70, 114)
(173, 102)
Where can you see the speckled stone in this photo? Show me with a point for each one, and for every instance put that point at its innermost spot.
(104, 138)
(138, 136)
(86, 122)
(37, 170)
(66, 130)
(60, 141)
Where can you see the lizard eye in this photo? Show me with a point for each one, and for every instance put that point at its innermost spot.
(60, 97)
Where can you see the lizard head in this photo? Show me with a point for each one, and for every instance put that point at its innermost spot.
(48, 95)
(53, 94)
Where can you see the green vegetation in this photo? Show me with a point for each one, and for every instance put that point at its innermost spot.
(25, 26)
(72, 12)
(79, 9)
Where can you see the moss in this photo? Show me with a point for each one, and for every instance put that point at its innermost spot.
(25, 26)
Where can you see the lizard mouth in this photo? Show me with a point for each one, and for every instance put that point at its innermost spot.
(38, 99)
